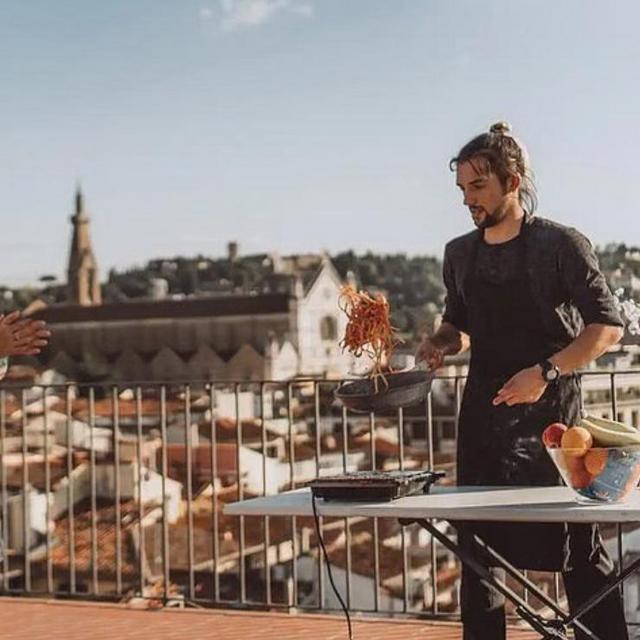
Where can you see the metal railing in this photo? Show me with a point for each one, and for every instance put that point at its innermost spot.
(107, 494)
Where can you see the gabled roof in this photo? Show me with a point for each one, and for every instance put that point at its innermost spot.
(214, 306)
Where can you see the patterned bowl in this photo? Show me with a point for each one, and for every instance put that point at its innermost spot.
(602, 474)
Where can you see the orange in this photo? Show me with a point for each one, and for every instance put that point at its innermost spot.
(580, 479)
(576, 441)
(595, 460)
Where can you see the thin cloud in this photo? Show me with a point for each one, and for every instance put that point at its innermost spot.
(244, 14)
(303, 9)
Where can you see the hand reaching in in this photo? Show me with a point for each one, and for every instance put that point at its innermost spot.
(22, 336)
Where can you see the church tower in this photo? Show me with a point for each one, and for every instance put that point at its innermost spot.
(82, 274)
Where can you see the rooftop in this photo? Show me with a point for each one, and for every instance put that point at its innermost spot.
(55, 620)
(230, 305)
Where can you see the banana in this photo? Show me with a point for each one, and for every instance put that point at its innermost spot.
(606, 437)
(611, 424)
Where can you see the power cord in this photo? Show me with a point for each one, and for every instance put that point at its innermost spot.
(326, 558)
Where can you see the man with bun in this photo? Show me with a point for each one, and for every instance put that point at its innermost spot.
(527, 296)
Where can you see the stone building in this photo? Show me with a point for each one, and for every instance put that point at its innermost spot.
(293, 330)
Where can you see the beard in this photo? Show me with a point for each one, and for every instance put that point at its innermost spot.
(491, 219)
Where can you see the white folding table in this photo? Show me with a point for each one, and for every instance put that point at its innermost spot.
(495, 504)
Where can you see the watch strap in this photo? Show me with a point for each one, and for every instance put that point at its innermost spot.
(547, 368)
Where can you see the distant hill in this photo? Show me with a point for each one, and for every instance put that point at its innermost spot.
(413, 284)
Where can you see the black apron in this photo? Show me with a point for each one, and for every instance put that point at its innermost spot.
(501, 445)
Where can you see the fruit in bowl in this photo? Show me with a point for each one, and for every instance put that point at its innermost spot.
(598, 459)
(576, 440)
(552, 435)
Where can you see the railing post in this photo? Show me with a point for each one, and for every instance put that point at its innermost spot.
(70, 494)
(189, 462)
(139, 449)
(214, 497)
(347, 525)
(47, 490)
(403, 537)
(265, 520)
(292, 485)
(26, 497)
(92, 471)
(115, 400)
(5, 509)
(432, 542)
(242, 596)
(165, 505)
(318, 436)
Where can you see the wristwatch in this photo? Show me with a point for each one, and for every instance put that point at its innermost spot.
(550, 372)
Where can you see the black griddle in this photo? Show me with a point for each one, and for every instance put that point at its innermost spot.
(374, 486)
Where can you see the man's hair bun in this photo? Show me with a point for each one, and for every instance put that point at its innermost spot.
(500, 128)
(500, 152)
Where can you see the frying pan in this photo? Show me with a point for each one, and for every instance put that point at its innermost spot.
(405, 388)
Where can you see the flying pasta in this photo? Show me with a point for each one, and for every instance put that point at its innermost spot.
(369, 329)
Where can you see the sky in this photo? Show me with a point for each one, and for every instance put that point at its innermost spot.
(302, 125)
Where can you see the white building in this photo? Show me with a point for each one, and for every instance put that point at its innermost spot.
(266, 336)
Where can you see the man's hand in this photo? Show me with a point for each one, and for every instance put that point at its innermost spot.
(430, 353)
(526, 387)
(22, 336)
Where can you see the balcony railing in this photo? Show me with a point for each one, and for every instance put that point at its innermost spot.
(112, 491)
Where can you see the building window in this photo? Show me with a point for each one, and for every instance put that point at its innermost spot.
(328, 328)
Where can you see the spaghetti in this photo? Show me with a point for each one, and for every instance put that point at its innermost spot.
(368, 330)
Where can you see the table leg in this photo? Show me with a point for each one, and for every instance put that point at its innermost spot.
(614, 583)
(549, 629)
(519, 576)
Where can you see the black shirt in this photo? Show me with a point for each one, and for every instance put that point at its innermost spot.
(499, 263)
(567, 285)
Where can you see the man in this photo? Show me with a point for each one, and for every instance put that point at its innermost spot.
(526, 294)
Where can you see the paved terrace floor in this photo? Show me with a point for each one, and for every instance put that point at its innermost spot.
(28, 619)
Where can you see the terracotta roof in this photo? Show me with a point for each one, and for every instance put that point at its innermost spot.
(251, 430)
(126, 408)
(106, 539)
(36, 475)
(187, 308)
(228, 545)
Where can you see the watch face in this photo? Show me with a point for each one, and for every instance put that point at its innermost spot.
(552, 374)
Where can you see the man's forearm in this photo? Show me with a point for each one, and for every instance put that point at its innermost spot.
(450, 340)
(592, 342)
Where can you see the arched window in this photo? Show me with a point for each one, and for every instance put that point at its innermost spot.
(328, 328)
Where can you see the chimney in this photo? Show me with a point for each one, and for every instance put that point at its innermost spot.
(232, 251)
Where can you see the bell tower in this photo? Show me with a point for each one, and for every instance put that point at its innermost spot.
(82, 274)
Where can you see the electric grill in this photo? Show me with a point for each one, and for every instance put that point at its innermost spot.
(374, 486)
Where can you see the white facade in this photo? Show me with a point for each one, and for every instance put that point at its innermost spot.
(320, 325)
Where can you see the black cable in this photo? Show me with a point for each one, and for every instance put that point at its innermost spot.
(326, 558)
